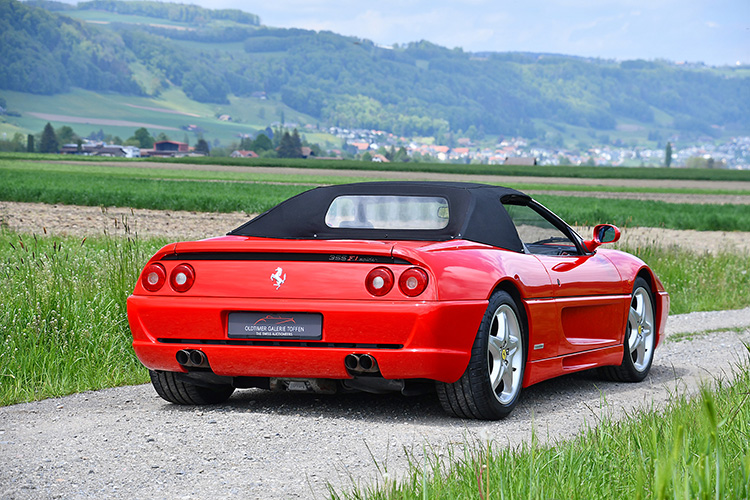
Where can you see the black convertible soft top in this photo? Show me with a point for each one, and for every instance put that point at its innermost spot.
(476, 214)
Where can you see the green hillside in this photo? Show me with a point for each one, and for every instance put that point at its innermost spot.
(224, 62)
(120, 115)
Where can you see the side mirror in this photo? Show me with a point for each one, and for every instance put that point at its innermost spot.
(603, 233)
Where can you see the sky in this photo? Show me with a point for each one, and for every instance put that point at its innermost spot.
(716, 32)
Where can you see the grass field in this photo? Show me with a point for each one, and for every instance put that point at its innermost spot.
(536, 171)
(63, 326)
(82, 106)
(570, 172)
(131, 169)
(141, 188)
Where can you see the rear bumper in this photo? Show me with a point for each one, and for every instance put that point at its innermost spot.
(409, 339)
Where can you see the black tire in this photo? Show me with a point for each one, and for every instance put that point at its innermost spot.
(473, 395)
(174, 390)
(639, 341)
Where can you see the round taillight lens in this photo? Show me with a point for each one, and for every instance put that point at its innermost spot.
(182, 278)
(154, 277)
(379, 281)
(413, 281)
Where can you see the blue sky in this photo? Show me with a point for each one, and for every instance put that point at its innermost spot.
(715, 32)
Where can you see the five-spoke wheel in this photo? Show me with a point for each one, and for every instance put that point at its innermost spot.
(491, 385)
(641, 330)
(640, 338)
(505, 354)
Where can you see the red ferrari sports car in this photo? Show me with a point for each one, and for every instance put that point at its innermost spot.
(471, 290)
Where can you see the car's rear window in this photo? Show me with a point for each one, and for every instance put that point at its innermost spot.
(388, 212)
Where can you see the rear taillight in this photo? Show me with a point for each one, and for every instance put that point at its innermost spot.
(182, 278)
(412, 282)
(379, 281)
(153, 277)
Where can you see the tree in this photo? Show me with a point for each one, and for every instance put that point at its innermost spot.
(142, 138)
(401, 155)
(289, 147)
(246, 143)
(296, 144)
(29, 143)
(66, 135)
(201, 146)
(285, 146)
(261, 143)
(668, 155)
(48, 143)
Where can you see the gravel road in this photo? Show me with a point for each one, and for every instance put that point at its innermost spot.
(126, 442)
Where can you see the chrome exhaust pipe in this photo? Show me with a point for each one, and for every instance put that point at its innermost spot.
(368, 364)
(198, 358)
(183, 357)
(192, 358)
(361, 363)
(351, 361)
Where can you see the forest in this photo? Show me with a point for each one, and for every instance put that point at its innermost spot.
(413, 89)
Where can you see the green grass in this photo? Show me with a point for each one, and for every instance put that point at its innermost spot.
(694, 449)
(644, 213)
(699, 282)
(63, 324)
(106, 190)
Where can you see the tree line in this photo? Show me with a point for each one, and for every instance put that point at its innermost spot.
(269, 143)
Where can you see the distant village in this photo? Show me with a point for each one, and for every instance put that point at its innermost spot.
(733, 154)
(375, 145)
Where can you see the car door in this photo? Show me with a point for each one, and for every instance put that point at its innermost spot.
(585, 285)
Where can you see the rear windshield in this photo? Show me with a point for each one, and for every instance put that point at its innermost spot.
(388, 212)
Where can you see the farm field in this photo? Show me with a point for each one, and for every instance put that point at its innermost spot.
(230, 190)
(585, 174)
(318, 172)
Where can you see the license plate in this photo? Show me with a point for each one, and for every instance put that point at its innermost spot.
(277, 326)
